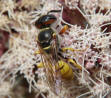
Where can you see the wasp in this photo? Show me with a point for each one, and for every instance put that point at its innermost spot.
(56, 68)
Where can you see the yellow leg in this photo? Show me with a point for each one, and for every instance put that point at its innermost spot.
(40, 65)
(71, 60)
(75, 64)
(71, 49)
(54, 35)
(37, 52)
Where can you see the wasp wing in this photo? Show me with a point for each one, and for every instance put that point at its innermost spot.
(49, 62)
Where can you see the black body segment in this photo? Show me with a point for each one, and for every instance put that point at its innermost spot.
(45, 21)
(44, 39)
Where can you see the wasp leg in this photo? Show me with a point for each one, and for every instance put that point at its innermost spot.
(37, 52)
(71, 49)
(75, 64)
(54, 11)
(54, 35)
(63, 30)
(40, 65)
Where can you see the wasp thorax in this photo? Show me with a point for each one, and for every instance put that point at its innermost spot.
(44, 38)
(45, 35)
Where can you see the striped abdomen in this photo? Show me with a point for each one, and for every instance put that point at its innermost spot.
(65, 70)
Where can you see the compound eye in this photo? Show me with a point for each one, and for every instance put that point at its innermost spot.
(45, 35)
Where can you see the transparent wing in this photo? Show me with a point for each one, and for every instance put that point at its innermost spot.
(49, 62)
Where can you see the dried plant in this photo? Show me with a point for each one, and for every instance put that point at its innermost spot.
(89, 30)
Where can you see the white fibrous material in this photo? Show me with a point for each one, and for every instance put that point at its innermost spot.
(90, 41)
